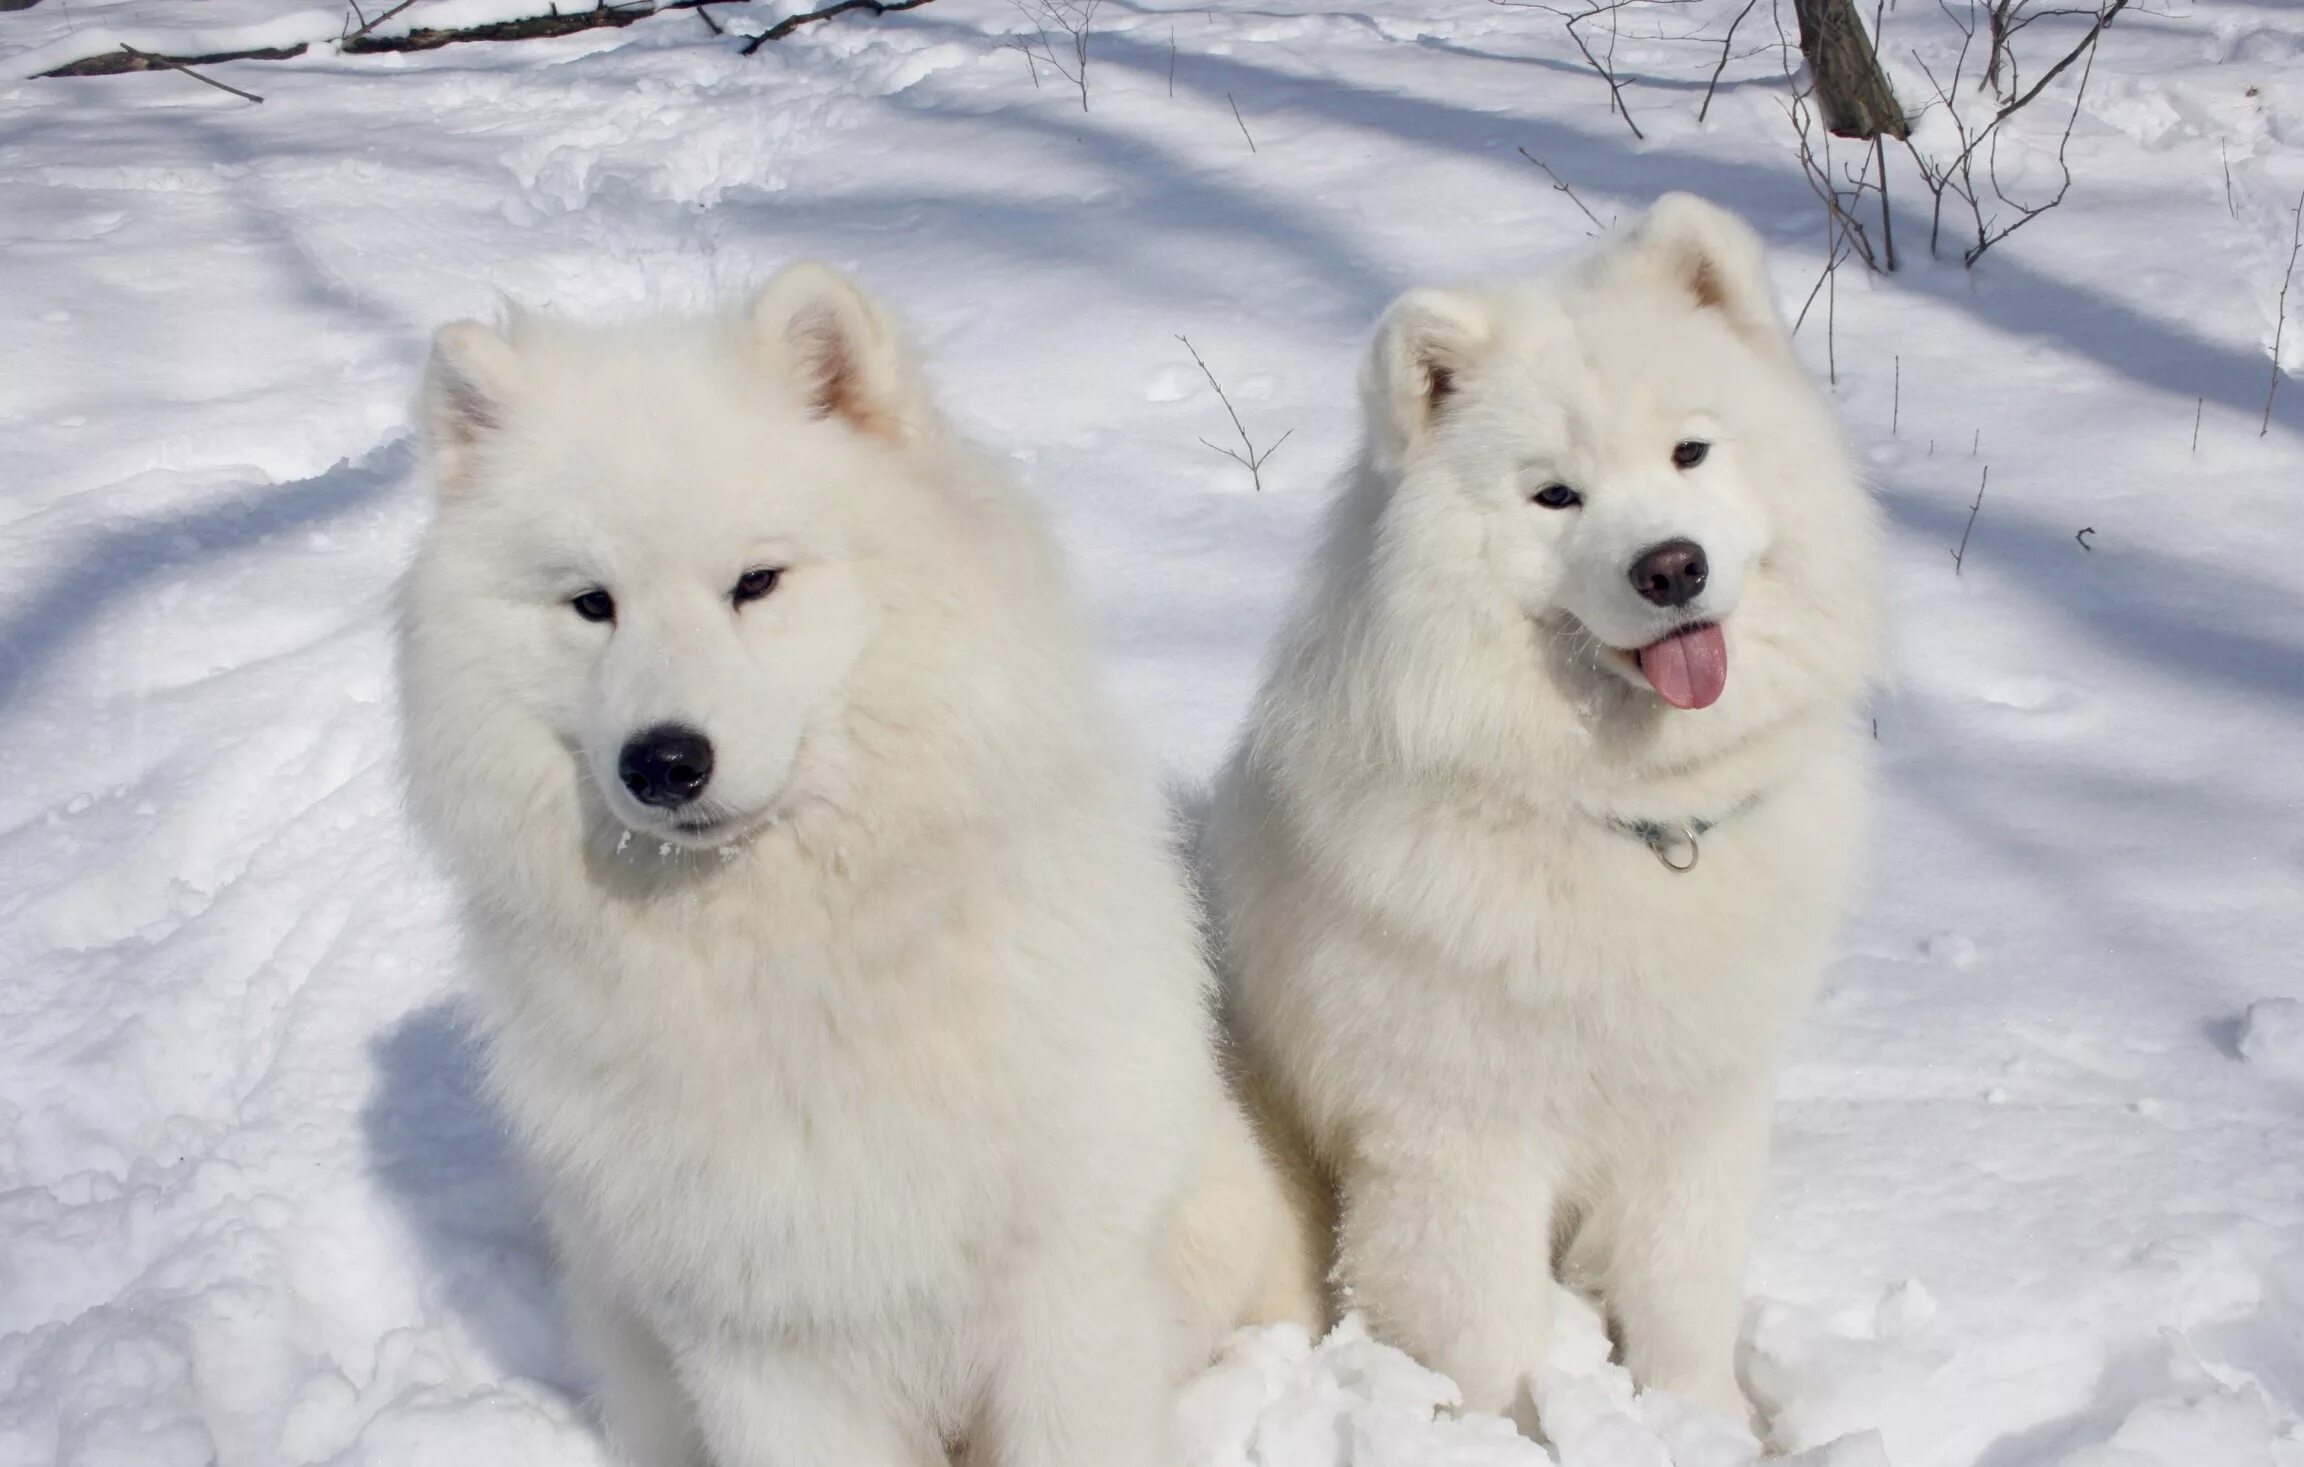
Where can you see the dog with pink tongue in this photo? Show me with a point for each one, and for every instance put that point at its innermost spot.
(1535, 843)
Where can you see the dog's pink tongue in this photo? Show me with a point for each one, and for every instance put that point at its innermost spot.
(1687, 669)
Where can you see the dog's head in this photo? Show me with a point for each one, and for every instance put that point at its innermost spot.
(1631, 450)
(647, 547)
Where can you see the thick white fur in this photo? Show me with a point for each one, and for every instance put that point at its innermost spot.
(1520, 1046)
(885, 1116)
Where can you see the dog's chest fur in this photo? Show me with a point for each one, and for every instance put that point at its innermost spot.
(803, 1134)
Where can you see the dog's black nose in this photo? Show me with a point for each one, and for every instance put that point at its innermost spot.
(1670, 574)
(667, 766)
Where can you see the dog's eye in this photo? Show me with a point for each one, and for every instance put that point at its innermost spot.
(754, 584)
(1690, 452)
(594, 605)
(1557, 496)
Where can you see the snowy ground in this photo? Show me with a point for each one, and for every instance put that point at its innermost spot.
(2039, 1193)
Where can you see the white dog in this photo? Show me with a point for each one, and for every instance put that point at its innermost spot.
(1599, 600)
(846, 997)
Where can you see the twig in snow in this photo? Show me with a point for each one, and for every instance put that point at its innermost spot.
(1252, 461)
(1896, 399)
(2223, 151)
(1725, 42)
(1832, 322)
(2198, 404)
(172, 64)
(1602, 66)
(1243, 125)
(1823, 280)
(2082, 535)
(1171, 61)
(1560, 185)
(1962, 553)
(1073, 20)
(2280, 325)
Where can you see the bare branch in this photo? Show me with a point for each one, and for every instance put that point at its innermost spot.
(1985, 201)
(382, 16)
(2280, 325)
(2087, 47)
(1252, 461)
(1602, 66)
(1725, 42)
(1073, 20)
(1844, 232)
(1961, 555)
(1243, 125)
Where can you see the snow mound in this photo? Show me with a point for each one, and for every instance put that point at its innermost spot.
(2272, 1034)
(1278, 1400)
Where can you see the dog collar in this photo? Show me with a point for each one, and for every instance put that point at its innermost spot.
(1678, 843)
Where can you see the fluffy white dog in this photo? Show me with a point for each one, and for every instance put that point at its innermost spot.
(1598, 602)
(844, 994)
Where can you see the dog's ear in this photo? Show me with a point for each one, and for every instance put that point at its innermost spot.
(473, 378)
(835, 348)
(1426, 342)
(1715, 258)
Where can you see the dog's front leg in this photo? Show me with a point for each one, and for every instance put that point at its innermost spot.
(1672, 1230)
(1084, 1374)
(641, 1402)
(1446, 1243)
(761, 1406)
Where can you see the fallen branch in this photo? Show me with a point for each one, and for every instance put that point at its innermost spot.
(122, 61)
(791, 23)
(536, 27)
(188, 71)
(363, 41)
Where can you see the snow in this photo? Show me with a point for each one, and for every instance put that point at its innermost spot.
(2037, 1198)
